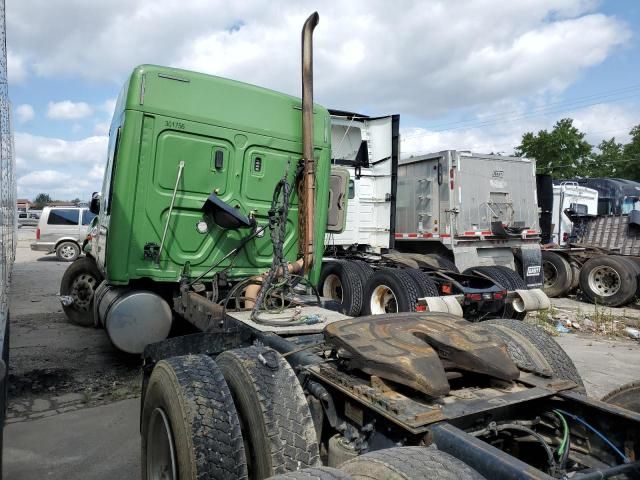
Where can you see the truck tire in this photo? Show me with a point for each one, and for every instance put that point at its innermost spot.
(558, 275)
(415, 463)
(627, 396)
(527, 344)
(79, 282)
(276, 423)
(364, 269)
(575, 276)
(320, 473)
(340, 280)
(189, 423)
(608, 280)
(427, 286)
(444, 262)
(390, 290)
(67, 251)
(507, 279)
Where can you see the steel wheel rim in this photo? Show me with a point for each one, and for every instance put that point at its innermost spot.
(332, 287)
(82, 291)
(67, 252)
(550, 273)
(161, 454)
(604, 281)
(383, 300)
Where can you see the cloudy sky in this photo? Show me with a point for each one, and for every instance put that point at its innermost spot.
(465, 74)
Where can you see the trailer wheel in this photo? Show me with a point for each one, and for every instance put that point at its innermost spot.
(79, 282)
(341, 281)
(627, 396)
(320, 473)
(507, 279)
(416, 463)
(608, 280)
(428, 287)
(274, 415)
(189, 425)
(390, 291)
(531, 348)
(558, 274)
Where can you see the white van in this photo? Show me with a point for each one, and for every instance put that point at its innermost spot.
(62, 230)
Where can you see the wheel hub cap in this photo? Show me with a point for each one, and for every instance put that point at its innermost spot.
(604, 281)
(82, 290)
(161, 455)
(383, 300)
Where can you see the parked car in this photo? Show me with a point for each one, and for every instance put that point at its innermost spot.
(29, 219)
(62, 230)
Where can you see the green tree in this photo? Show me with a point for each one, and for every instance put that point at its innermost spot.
(606, 162)
(562, 152)
(631, 155)
(41, 200)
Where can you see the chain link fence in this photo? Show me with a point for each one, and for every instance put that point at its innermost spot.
(8, 237)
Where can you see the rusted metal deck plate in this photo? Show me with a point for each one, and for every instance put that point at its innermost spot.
(415, 414)
(412, 349)
(327, 317)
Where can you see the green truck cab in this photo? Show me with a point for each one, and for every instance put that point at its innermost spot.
(178, 137)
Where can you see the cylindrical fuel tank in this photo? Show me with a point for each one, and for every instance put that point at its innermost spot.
(133, 318)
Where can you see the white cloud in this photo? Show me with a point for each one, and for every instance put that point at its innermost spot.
(422, 58)
(64, 169)
(101, 128)
(24, 113)
(54, 151)
(599, 122)
(16, 68)
(108, 106)
(68, 110)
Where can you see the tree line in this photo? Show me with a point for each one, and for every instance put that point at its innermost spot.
(44, 199)
(564, 153)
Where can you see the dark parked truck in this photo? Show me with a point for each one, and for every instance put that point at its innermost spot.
(209, 184)
(595, 244)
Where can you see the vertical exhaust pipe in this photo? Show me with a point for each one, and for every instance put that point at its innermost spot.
(306, 213)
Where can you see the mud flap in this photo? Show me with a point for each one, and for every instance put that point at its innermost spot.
(445, 304)
(531, 258)
(529, 300)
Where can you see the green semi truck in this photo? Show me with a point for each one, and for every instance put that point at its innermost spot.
(212, 219)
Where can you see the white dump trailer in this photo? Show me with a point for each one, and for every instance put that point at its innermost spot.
(480, 209)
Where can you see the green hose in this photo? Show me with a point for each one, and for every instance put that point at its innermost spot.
(565, 436)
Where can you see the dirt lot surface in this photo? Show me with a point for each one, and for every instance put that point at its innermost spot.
(73, 411)
(55, 366)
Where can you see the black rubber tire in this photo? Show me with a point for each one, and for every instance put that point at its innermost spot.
(276, 423)
(60, 249)
(525, 342)
(575, 276)
(507, 279)
(364, 269)
(444, 262)
(403, 286)
(631, 262)
(85, 272)
(320, 473)
(628, 280)
(427, 286)
(627, 396)
(351, 287)
(415, 463)
(561, 284)
(203, 420)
